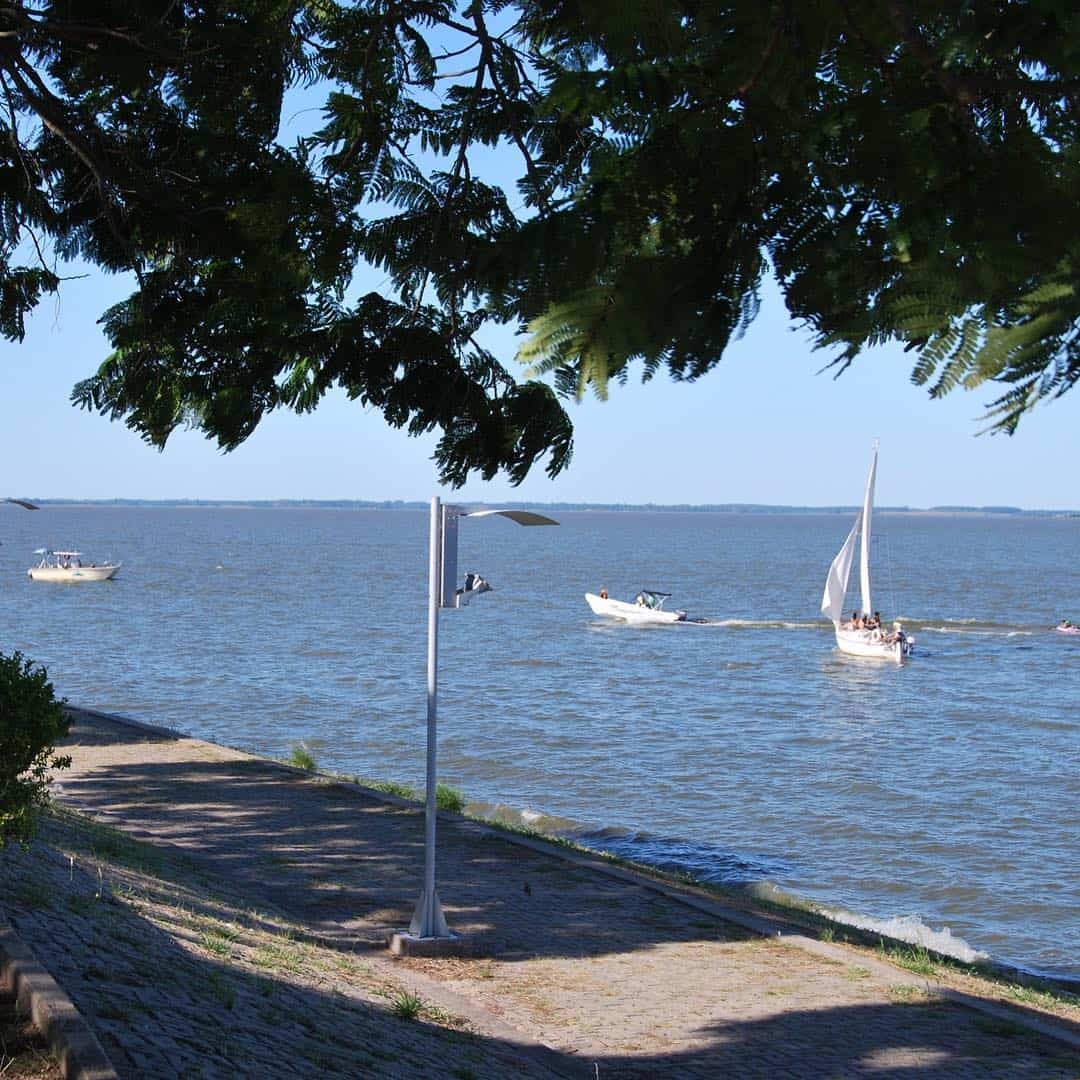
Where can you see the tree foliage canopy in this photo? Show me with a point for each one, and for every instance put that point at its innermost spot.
(907, 171)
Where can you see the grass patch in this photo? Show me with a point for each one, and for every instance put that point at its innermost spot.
(856, 973)
(907, 993)
(81, 904)
(406, 1006)
(438, 1015)
(1040, 996)
(222, 989)
(300, 757)
(219, 939)
(448, 798)
(388, 787)
(106, 843)
(279, 955)
(913, 958)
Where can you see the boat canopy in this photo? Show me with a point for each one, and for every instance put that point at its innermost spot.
(652, 598)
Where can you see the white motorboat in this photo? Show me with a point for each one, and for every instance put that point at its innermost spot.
(648, 607)
(69, 566)
(1066, 627)
(876, 641)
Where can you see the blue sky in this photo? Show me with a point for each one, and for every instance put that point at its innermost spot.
(762, 427)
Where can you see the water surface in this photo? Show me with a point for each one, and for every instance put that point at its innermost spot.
(942, 793)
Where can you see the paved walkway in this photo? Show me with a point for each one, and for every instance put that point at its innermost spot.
(236, 926)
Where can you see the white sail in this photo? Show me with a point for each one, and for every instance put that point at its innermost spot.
(832, 602)
(864, 554)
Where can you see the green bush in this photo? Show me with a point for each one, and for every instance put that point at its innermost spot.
(31, 722)
(302, 758)
(447, 798)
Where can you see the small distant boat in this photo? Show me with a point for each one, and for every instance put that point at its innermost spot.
(1066, 627)
(68, 566)
(648, 607)
(877, 642)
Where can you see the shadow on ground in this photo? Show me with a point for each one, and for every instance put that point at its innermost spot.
(345, 868)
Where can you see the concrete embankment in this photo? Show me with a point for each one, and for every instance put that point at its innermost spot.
(214, 913)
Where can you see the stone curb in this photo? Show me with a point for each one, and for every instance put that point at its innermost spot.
(38, 995)
(150, 729)
(766, 925)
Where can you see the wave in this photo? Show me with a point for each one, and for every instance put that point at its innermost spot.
(523, 818)
(913, 930)
(703, 860)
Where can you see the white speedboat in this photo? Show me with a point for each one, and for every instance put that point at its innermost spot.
(876, 642)
(1066, 627)
(69, 566)
(648, 607)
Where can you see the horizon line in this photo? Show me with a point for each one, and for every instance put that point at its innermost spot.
(417, 504)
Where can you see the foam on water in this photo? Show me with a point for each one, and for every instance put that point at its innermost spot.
(768, 624)
(909, 928)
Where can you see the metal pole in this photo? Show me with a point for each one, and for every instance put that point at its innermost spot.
(428, 920)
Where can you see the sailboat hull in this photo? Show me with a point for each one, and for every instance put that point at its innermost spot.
(863, 643)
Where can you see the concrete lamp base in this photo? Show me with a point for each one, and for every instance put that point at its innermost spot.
(404, 943)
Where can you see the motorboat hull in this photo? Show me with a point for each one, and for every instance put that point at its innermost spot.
(863, 643)
(73, 573)
(632, 613)
(1067, 629)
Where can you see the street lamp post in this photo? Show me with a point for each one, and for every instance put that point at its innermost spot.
(428, 922)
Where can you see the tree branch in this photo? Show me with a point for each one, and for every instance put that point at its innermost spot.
(747, 87)
(956, 89)
(487, 55)
(50, 111)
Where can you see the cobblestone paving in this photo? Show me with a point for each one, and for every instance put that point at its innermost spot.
(252, 943)
(180, 980)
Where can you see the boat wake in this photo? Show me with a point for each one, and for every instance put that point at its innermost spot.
(766, 624)
(972, 627)
(968, 627)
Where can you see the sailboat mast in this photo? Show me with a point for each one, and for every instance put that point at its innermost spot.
(864, 554)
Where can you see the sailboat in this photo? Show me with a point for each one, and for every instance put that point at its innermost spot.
(875, 641)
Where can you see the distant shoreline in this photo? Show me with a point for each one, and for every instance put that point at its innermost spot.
(681, 508)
